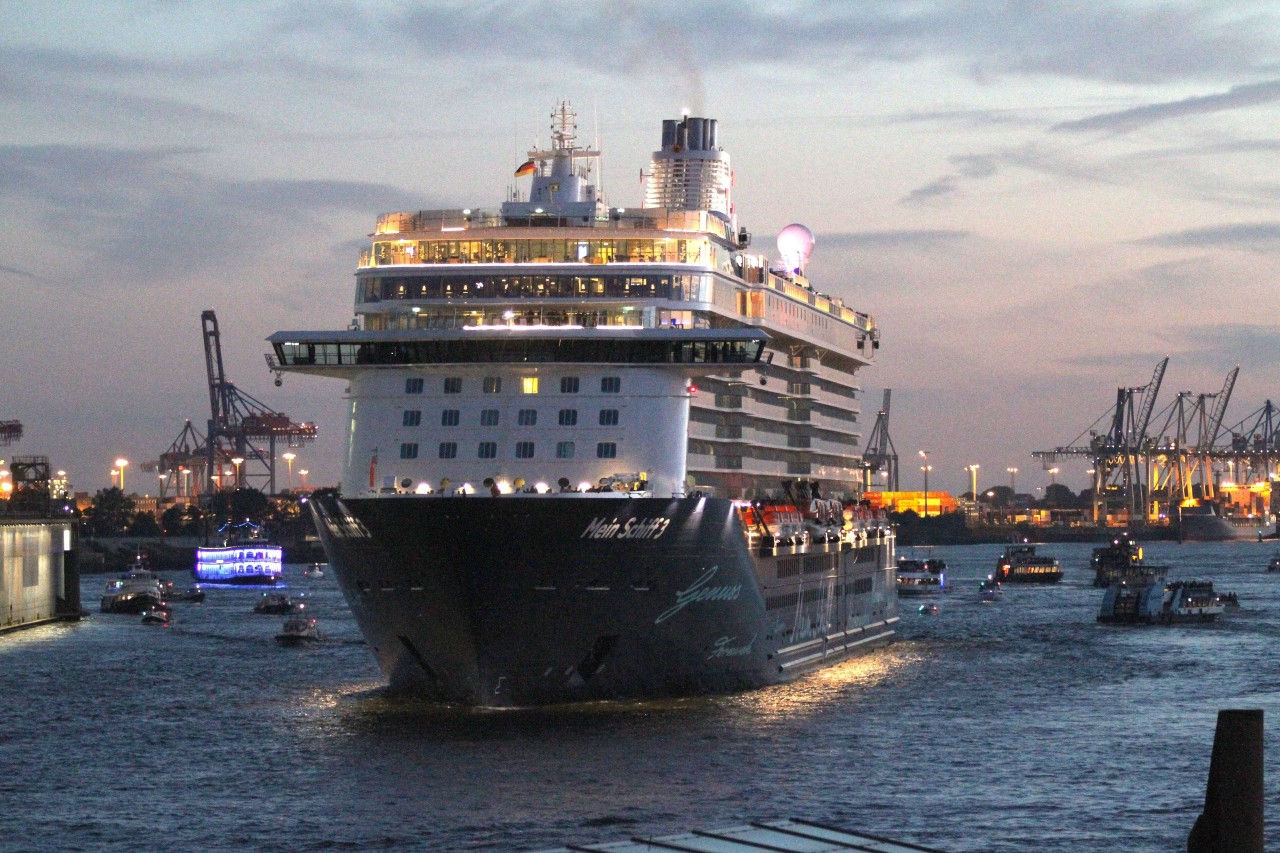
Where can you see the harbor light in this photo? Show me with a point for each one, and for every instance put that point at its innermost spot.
(120, 463)
(288, 461)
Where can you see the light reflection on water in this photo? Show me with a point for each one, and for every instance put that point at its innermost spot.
(1014, 726)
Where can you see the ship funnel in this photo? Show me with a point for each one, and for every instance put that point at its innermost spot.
(690, 172)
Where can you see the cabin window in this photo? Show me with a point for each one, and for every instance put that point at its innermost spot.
(488, 417)
(529, 385)
(493, 385)
(453, 385)
(564, 449)
(607, 450)
(568, 385)
(412, 417)
(610, 384)
(608, 417)
(450, 417)
(409, 450)
(527, 417)
(413, 385)
(448, 449)
(568, 417)
(524, 449)
(488, 450)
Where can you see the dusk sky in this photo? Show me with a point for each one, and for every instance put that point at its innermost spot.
(1036, 201)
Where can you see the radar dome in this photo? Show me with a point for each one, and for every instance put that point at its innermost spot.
(795, 244)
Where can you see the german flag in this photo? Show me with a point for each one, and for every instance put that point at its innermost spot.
(527, 168)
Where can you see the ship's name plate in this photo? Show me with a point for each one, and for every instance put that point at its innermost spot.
(632, 528)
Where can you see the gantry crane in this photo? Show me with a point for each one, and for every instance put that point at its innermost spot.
(238, 424)
(881, 454)
(10, 431)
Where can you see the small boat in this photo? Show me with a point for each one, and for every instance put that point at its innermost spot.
(315, 570)
(1160, 603)
(1122, 560)
(157, 615)
(276, 604)
(921, 577)
(989, 590)
(928, 610)
(1021, 564)
(298, 630)
(192, 593)
(1229, 600)
(1274, 565)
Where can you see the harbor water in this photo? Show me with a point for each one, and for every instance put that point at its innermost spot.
(1010, 726)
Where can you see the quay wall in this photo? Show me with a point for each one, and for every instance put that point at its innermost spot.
(39, 572)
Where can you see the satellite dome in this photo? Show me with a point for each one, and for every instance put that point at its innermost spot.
(795, 243)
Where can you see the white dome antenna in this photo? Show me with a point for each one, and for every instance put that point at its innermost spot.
(795, 244)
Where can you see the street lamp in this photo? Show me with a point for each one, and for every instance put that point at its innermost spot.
(1053, 476)
(1013, 479)
(288, 460)
(115, 477)
(120, 463)
(237, 461)
(973, 479)
(304, 473)
(926, 468)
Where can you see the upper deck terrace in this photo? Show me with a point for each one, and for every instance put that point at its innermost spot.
(622, 243)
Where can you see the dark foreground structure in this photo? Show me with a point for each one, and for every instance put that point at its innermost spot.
(39, 574)
(1232, 820)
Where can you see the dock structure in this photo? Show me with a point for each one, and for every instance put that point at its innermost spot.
(791, 835)
(39, 572)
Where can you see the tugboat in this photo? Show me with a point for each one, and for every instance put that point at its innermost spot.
(298, 630)
(1160, 603)
(921, 577)
(1021, 564)
(1122, 560)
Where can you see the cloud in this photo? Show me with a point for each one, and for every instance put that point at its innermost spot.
(911, 239)
(1255, 236)
(1124, 121)
(145, 216)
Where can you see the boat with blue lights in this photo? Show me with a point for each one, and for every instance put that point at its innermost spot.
(569, 427)
(245, 558)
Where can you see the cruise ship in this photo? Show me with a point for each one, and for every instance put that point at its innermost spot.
(597, 452)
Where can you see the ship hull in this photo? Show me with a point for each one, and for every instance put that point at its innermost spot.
(514, 601)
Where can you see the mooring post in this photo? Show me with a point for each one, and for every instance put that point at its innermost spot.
(1233, 802)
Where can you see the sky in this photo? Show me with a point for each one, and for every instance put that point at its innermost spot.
(1036, 201)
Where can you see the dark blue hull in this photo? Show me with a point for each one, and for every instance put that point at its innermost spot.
(536, 600)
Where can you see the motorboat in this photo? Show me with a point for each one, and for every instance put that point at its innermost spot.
(276, 604)
(1274, 565)
(989, 590)
(315, 570)
(1122, 560)
(921, 577)
(928, 610)
(1160, 603)
(298, 630)
(193, 594)
(1021, 564)
(157, 615)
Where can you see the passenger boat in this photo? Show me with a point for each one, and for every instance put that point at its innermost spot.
(569, 428)
(298, 630)
(1122, 560)
(1162, 603)
(137, 589)
(921, 577)
(1021, 564)
(276, 603)
(243, 558)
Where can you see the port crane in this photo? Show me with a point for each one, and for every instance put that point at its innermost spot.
(239, 424)
(1120, 454)
(881, 455)
(10, 431)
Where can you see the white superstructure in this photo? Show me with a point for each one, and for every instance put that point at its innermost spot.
(558, 342)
